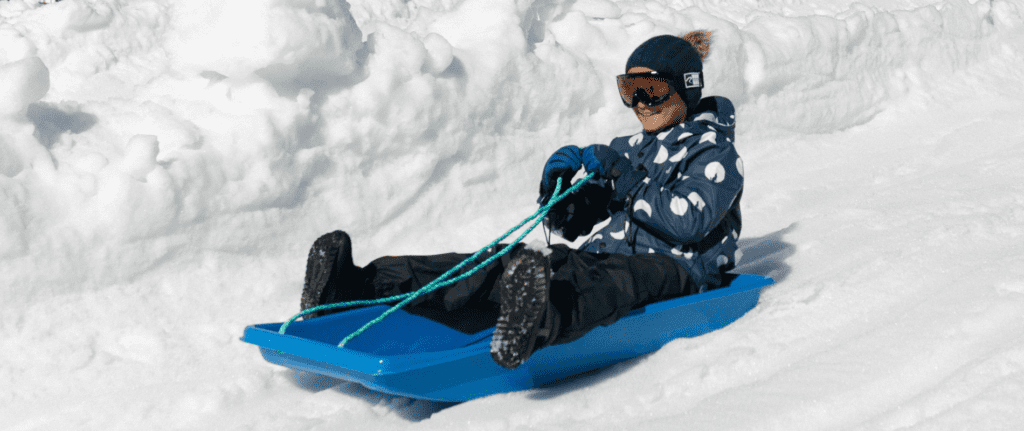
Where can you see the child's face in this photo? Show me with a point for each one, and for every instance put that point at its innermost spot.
(668, 113)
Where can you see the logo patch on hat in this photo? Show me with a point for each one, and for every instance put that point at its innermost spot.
(693, 80)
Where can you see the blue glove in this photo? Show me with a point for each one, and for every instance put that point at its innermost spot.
(607, 163)
(563, 164)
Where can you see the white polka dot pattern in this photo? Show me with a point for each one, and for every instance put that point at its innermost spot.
(662, 155)
(620, 235)
(696, 200)
(636, 139)
(679, 206)
(642, 205)
(714, 171)
(679, 156)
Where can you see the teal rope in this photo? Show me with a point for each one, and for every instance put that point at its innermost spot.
(440, 282)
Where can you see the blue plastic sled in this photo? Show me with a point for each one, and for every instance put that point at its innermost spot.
(410, 355)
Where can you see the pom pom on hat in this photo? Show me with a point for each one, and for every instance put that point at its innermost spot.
(701, 41)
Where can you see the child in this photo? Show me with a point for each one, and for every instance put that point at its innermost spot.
(672, 195)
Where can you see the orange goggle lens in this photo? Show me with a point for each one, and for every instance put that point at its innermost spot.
(652, 90)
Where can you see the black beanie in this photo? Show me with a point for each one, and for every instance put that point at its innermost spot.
(674, 57)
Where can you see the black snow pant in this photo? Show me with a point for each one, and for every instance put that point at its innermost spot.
(587, 289)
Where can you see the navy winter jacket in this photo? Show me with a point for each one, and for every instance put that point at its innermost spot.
(687, 208)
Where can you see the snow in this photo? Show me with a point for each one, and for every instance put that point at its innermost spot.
(165, 165)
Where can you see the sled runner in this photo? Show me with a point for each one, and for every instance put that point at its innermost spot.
(414, 356)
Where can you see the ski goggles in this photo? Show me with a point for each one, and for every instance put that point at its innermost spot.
(652, 89)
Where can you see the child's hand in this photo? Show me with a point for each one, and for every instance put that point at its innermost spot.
(563, 164)
(605, 162)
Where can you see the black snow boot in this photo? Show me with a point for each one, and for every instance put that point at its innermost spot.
(527, 321)
(330, 274)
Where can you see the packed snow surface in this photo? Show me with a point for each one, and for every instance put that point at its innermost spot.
(165, 165)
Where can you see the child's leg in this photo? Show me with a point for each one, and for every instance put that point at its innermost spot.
(540, 308)
(395, 275)
(591, 289)
(332, 277)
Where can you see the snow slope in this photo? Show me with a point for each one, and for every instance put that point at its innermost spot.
(165, 165)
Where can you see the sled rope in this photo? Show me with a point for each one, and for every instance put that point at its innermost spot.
(441, 281)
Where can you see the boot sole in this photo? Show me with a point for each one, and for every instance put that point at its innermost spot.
(524, 301)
